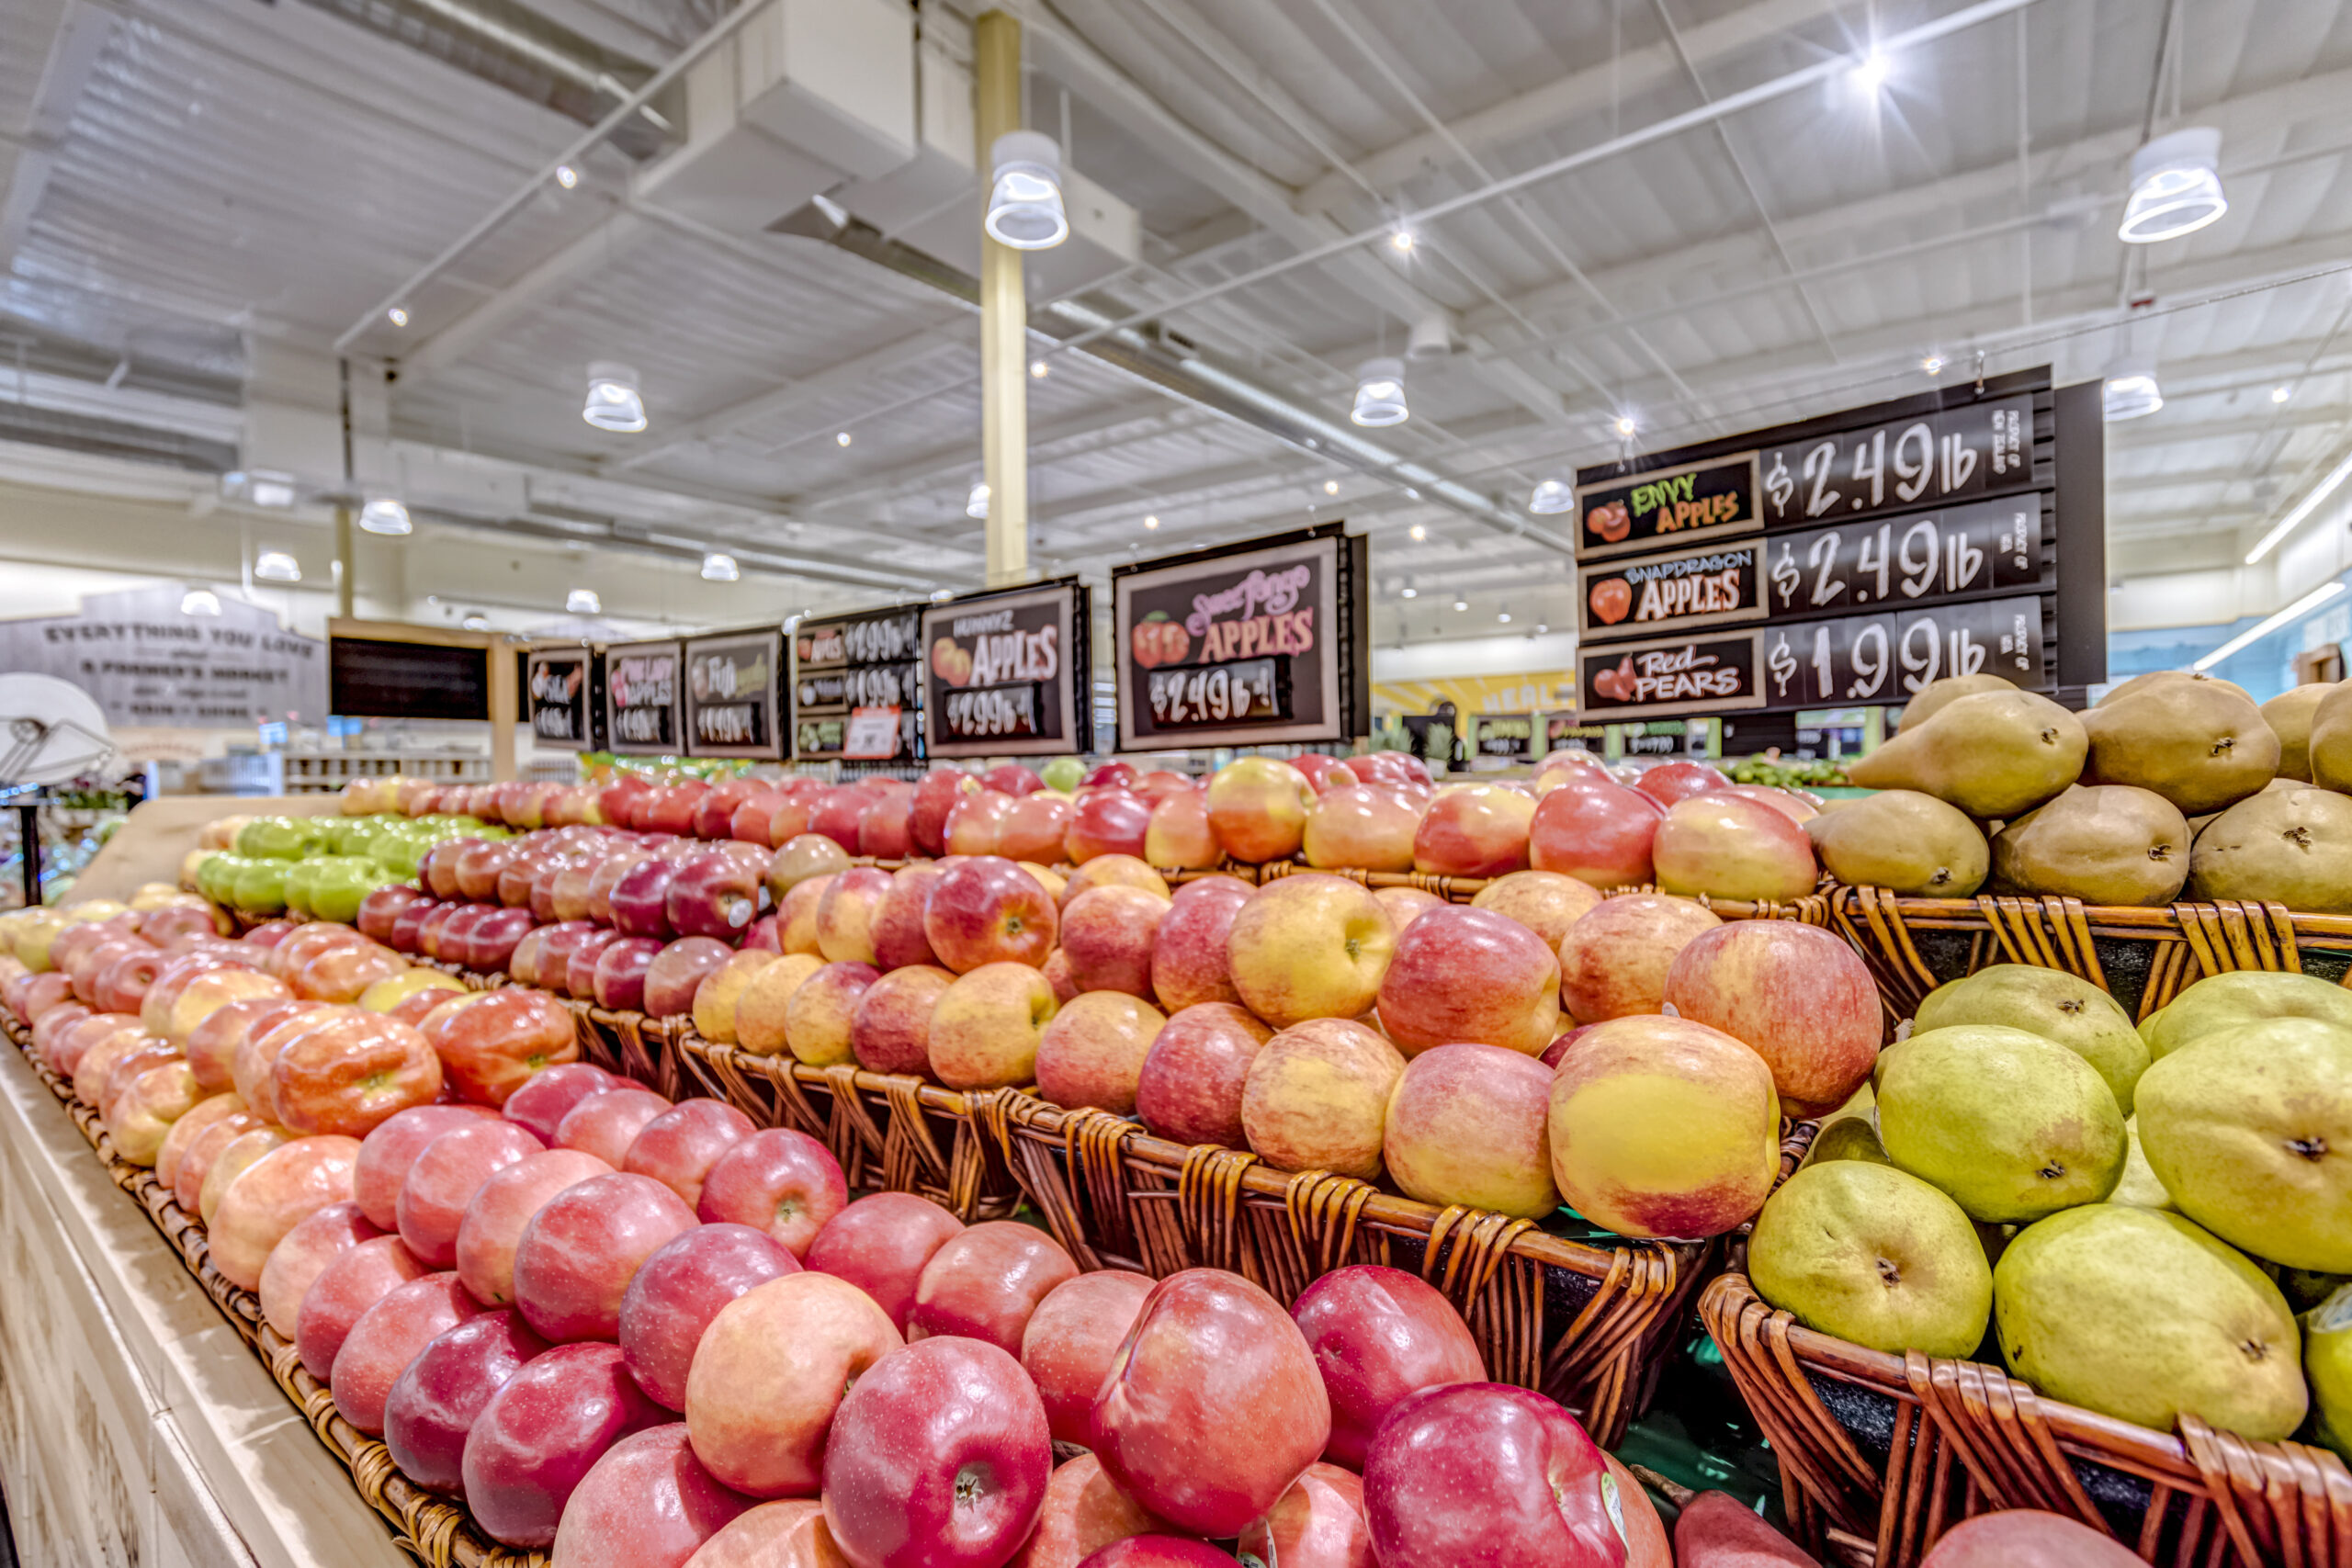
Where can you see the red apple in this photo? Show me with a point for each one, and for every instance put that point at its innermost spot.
(501, 1209)
(1178, 835)
(475, 871)
(1796, 995)
(896, 928)
(355, 1280)
(845, 914)
(387, 1152)
(1316, 1098)
(618, 980)
(1190, 1086)
(678, 1147)
(715, 810)
(836, 815)
(881, 1244)
(201, 1118)
(1470, 975)
(761, 936)
(546, 1094)
(771, 1371)
(1084, 1511)
(1403, 906)
(1071, 1340)
(988, 910)
(1309, 946)
(541, 1433)
(50, 1032)
(436, 1399)
(1474, 830)
(640, 899)
(984, 1282)
(491, 1043)
(885, 830)
(1214, 1406)
(1109, 934)
(935, 794)
(712, 894)
(672, 809)
(443, 1178)
(543, 957)
(679, 1290)
(1257, 808)
(1368, 827)
(1057, 976)
(976, 823)
(606, 1123)
(1107, 822)
(678, 971)
(304, 1254)
(1092, 1052)
(203, 1146)
(1466, 1125)
(580, 1250)
(1668, 783)
(388, 1337)
(1379, 1333)
(1158, 1551)
(123, 983)
(1483, 1472)
(648, 1503)
(351, 1077)
(579, 977)
(1613, 962)
(1730, 846)
(890, 1029)
(938, 1458)
(1319, 1523)
(1016, 780)
(272, 1196)
(603, 876)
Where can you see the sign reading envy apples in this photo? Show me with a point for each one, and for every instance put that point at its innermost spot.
(1009, 673)
(1252, 643)
(1705, 500)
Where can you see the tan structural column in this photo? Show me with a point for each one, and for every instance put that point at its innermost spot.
(1004, 316)
(505, 707)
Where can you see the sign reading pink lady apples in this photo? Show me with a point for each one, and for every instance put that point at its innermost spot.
(1009, 673)
(1259, 642)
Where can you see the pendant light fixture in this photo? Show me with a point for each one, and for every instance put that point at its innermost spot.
(583, 601)
(385, 515)
(718, 568)
(2176, 187)
(1380, 393)
(277, 566)
(1552, 497)
(976, 505)
(199, 602)
(2132, 392)
(1025, 200)
(613, 403)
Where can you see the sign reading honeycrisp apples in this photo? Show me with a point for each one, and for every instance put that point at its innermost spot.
(1247, 644)
(1008, 673)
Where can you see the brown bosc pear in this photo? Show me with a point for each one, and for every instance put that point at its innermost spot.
(2101, 843)
(1932, 697)
(2289, 716)
(2331, 738)
(1903, 840)
(2161, 677)
(2199, 744)
(1992, 754)
(2291, 846)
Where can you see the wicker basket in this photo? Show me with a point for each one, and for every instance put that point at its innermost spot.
(2142, 957)
(434, 1529)
(1897, 1450)
(890, 1133)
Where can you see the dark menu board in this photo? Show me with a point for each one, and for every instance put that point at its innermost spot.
(1510, 736)
(734, 681)
(1928, 459)
(1701, 673)
(1260, 642)
(848, 663)
(1705, 500)
(642, 699)
(559, 698)
(376, 678)
(1885, 659)
(1008, 673)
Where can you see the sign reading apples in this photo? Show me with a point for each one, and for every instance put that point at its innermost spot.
(641, 697)
(1009, 673)
(1258, 642)
(1704, 500)
(556, 684)
(733, 694)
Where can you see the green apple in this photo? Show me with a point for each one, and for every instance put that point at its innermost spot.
(261, 885)
(338, 885)
(300, 876)
(217, 877)
(1062, 772)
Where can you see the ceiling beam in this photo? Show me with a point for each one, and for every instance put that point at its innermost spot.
(69, 36)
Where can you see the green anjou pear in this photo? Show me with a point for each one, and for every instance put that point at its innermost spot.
(1931, 698)
(2141, 1315)
(2327, 1366)
(1902, 840)
(2101, 843)
(1992, 754)
(2221, 1002)
(2290, 846)
(2289, 716)
(2139, 1188)
(2201, 745)
(2053, 1004)
(2329, 749)
(1871, 1255)
(2251, 1133)
(2012, 1126)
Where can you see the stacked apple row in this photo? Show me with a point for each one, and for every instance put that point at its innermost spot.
(1374, 813)
(617, 1326)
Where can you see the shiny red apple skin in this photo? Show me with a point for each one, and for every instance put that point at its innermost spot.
(1615, 959)
(493, 1044)
(985, 1283)
(648, 1503)
(494, 939)
(500, 1210)
(540, 1103)
(1485, 1473)
(678, 971)
(381, 911)
(672, 809)
(640, 899)
(606, 1123)
(778, 1181)
(542, 1432)
(1668, 783)
(1378, 1333)
(770, 1373)
(1796, 995)
(582, 956)
(1158, 1551)
(713, 895)
(715, 812)
(885, 830)
(298, 1260)
(935, 794)
(676, 1293)
(1107, 822)
(386, 1155)
(1368, 826)
(1460, 974)
(1071, 1340)
(1188, 961)
(358, 1277)
(938, 1458)
(896, 929)
(1034, 828)
(445, 1177)
(890, 1032)
(580, 1249)
(881, 1244)
(1474, 830)
(1214, 1406)
(1084, 1511)
(436, 1399)
(388, 1337)
(1319, 1523)
(1727, 846)
(1469, 1123)
(678, 1147)
(1109, 934)
(986, 909)
(616, 979)
(1190, 1088)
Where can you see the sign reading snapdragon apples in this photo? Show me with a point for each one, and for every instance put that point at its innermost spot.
(1266, 642)
(1007, 674)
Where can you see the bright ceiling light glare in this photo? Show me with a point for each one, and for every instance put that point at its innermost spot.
(263, 487)
(976, 505)
(277, 566)
(1025, 201)
(2132, 393)
(2303, 509)
(1871, 72)
(842, 439)
(718, 567)
(1401, 241)
(1552, 497)
(566, 175)
(1541, 629)
(2281, 394)
(1417, 532)
(385, 515)
(1625, 425)
(582, 601)
(1409, 592)
(2263, 628)
(1380, 393)
(397, 315)
(1151, 522)
(614, 401)
(199, 602)
(475, 623)
(1039, 370)
(1933, 364)
(940, 595)
(1503, 617)
(1462, 603)
(2175, 187)
(1331, 487)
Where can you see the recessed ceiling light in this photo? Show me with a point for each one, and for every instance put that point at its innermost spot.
(1151, 522)
(1401, 241)
(842, 439)
(1039, 369)
(2281, 394)
(1462, 603)
(718, 568)
(397, 315)
(1504, 617)
(1625, 424)
(1417, 532)
(1552, 497)
(566, 175)
(277, 566)
(199, 602)
(1409, 592)
(1933, 364)
(384, 515)
(1331, 487)
(583, 601)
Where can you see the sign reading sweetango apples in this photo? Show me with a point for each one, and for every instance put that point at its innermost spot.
(1007, 674)
(1252, 643)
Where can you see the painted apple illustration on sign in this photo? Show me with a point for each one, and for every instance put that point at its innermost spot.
(951, 662)
(1157, 640)
(1609, 521)
(1617, 684)
(1611, 598)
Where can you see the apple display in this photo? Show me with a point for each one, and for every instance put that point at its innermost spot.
(1474, 830)
(985, 1027)
(351, 1073)
(1485, 1473)
(541, 1433)
(388, 1337)
(387, 1152)
(1091, 1052)
(493, 1043)
(297, 1261)
(1213, 1406)
(1727, 846)
(1316, 1098)
(1084, 1511)
(890, 1030)
(935, 794)
(679, 1290)
(988, 910)
(938, 1458)
(1366, 827)
(354, 1281)
(648, 1503)
(678, 1147)
(503, 1207)
(1257, 808)
(436, 1401)
(1108, 934)
(606, 1123)
(1377, 1335)
(1106, 822)
(882, 1243)
(1309, 946)
(770, 1373)
(540, 1103)
(1793, 994)
(1193, 1076)
(1071, 1340)
(1613, 962)
(986, 1280)
(443, 1178)
(272, 1196)
(1460, 974)
(764, 1010)
(1467, 1124)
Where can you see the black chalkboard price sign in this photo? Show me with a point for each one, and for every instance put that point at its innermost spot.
(1897, 465)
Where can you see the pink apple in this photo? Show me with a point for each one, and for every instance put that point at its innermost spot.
(1309, 946)
(493, 1043)
(388, 1337)
(984, 1282)
(770, 1373)
(304, 1254)
(580, 1250)
(1727, 846)
(1668, 783)
(1194, 1076)
(616, 975)
(679, 1290)
(435, 1402)
(1615, 959)
(1084, 1512)
(1483, 1472)
(1470, 975)
(1467, 1124)
(356, 1278)
(976, 823)
(1368, 826)
(443, 1178)
(896, 930)
(272, 1196)
(648, 1503)
(1034, 828)
(1179, 836)
(541, 1433)
(1377, 1335)
(1071, 1340)
(1796, 995)
(546, 1094)
(1319, 1523)
(606, 1123)
(1107, 822)
(837, 814)
(1474, 830)
(1092, 1052)
(503, 1207)
(1109, 934)
(935, 794)
(890, 1030)
(818, 1018)
(845, 914)
(986, 909)
(678, 1147)
(881, 1244)
(1316, 1098)
(1257, 806)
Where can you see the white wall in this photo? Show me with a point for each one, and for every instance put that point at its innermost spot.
(1475, 656)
